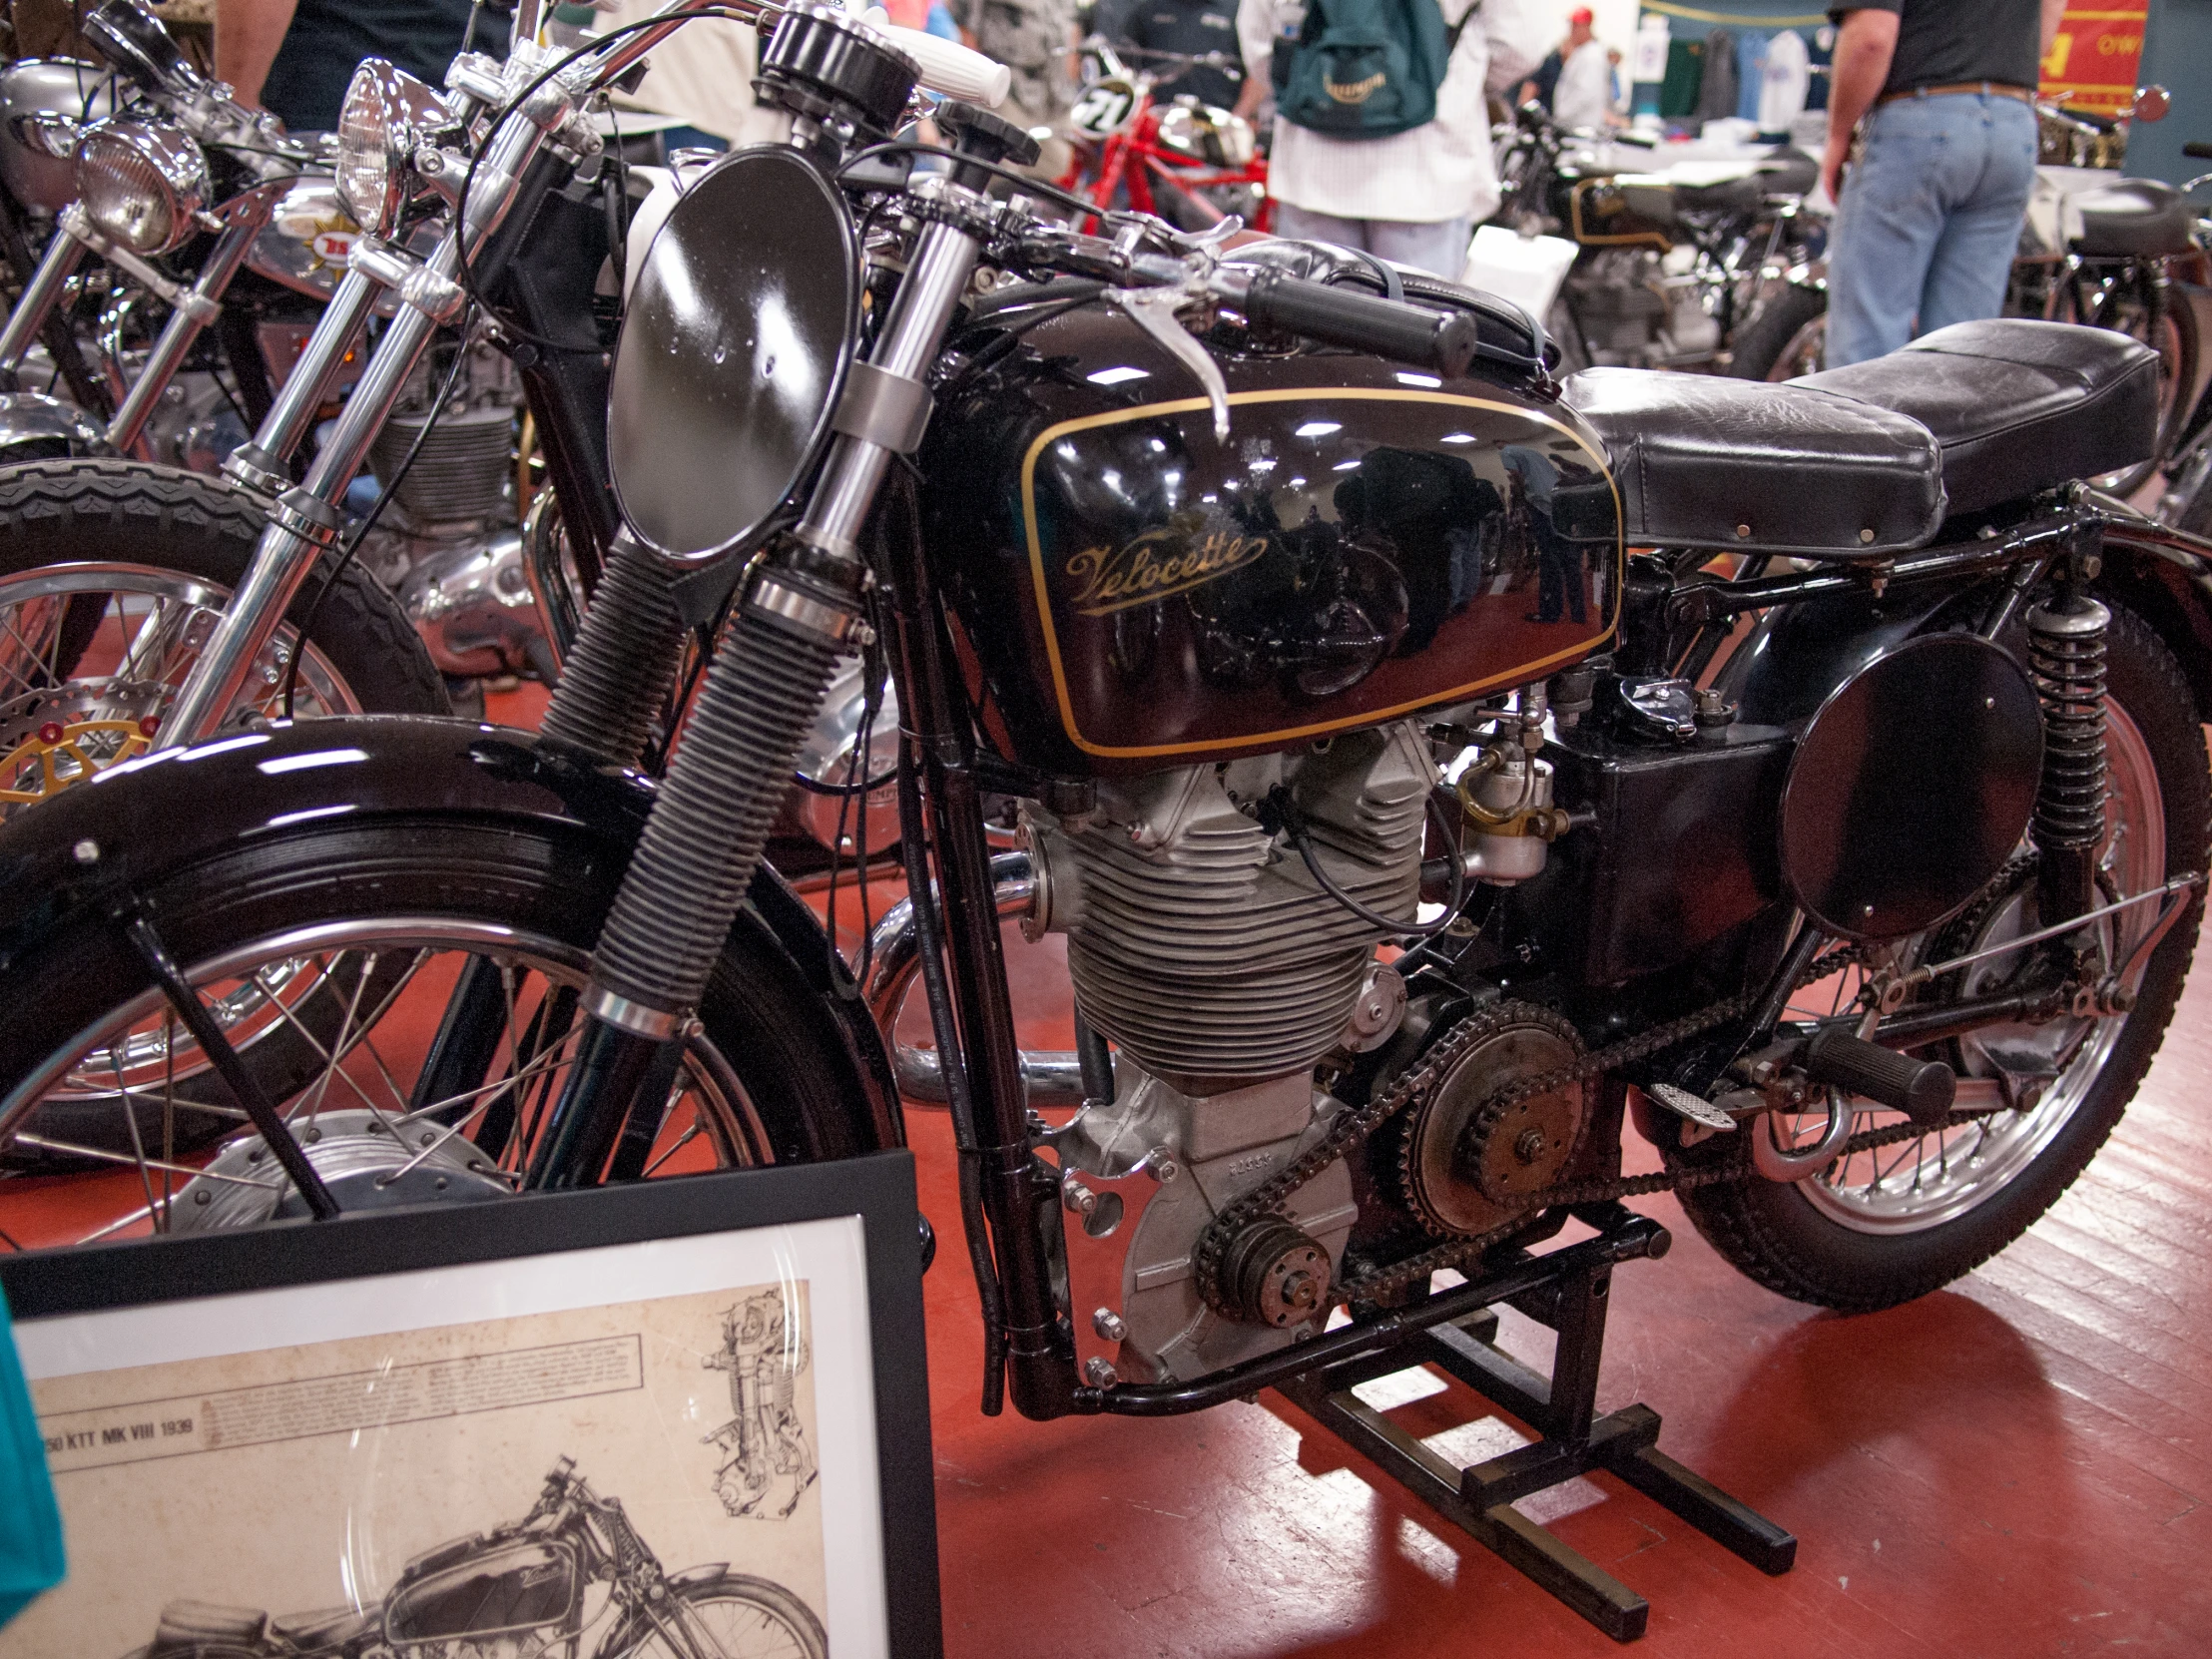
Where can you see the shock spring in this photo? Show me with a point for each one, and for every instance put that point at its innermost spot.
(2066, 660)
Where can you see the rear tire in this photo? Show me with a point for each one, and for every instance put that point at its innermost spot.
(1775, 1234)
(1784, 339)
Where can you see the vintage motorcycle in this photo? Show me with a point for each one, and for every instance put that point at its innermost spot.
(1677, 267)
(1411, 840)
(523, 1587)
(1191, 163)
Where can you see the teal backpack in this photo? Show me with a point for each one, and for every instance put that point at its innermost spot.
(1363, 69)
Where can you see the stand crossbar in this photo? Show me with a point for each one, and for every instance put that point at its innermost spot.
(1562, 1410)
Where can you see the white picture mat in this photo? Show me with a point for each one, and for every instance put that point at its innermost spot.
(830, 1255)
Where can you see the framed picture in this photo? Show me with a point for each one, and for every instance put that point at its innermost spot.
(677, 1420)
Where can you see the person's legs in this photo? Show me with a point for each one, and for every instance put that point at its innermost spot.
(1440, 248)
(1304, 225)
(1973, 257)
(1886, 228)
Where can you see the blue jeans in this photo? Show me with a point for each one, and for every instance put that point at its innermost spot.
(1441, 248)
(1930, 221)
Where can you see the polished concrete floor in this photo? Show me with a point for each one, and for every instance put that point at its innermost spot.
(2016, 1467)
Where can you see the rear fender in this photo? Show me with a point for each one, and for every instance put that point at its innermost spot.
(135, 825)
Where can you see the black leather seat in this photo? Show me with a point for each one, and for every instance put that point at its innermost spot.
(2138, 218)
(2017, 406)
(1703, 461)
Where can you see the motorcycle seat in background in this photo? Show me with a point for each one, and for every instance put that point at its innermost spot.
(1705, 461)
(2017, 406)
(2134, 217)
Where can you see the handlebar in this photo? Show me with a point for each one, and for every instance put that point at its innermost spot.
(1439, 340)
(949, 69)
(2200, 150)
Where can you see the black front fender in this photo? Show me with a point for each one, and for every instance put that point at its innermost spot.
(97, 846)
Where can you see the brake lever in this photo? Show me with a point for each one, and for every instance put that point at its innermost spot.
(1153, 310)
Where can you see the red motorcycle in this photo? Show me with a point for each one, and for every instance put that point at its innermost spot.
(1192, 164)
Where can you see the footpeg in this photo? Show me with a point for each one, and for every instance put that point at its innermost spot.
(1695, 1107)
(1922, 1089)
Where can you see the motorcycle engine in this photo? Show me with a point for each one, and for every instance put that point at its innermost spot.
(1202, 943)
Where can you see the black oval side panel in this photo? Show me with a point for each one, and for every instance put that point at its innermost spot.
(733, 353)
(1367, 543)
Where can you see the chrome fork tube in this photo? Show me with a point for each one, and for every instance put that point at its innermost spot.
(304, 522)
(199, 306)
(934, 282)
(63, 255)
(259, 465)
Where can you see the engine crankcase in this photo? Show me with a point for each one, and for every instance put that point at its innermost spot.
(1185, 1157)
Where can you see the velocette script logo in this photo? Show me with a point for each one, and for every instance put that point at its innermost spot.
(1157, 565)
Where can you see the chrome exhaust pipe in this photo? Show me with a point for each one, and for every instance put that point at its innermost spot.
(1051, 1078)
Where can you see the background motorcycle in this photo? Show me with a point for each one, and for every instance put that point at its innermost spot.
(1649, 861)
(525, 1583)
(1676, 267)
(1188, 162)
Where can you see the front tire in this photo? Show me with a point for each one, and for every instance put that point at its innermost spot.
(110, 574)
(1825, 1242)
(746, 1618)
(330, 954)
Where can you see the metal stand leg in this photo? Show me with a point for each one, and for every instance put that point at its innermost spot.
(1574, 1441)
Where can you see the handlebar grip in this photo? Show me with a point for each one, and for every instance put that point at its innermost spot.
(950, 69)
(1440, 341)
(2198, 152)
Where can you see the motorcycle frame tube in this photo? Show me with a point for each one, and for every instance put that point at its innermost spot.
(1020, 1204)
(63, 255)
(186, 321)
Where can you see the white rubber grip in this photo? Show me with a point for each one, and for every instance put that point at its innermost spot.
(949, 69)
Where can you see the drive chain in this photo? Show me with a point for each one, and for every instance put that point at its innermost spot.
(1351, 1125)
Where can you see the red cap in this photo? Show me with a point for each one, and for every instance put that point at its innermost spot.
(1582, 14)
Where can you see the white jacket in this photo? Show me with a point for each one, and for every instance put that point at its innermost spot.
(1429, 176)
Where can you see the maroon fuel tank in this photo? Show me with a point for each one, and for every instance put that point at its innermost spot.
(1134, 593)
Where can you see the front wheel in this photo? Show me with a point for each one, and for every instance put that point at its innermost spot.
(738, 1617)
(112, 576)
(1884, 1226)
(331, 957)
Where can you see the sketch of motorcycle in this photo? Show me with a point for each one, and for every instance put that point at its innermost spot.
(763, 1439)
(524, 1588)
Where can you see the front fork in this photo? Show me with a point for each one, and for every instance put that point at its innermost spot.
(704, 840)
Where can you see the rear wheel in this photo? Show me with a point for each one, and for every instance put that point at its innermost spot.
(331, 958)
(1882, 1227)
(112, 576)
(1784, 339)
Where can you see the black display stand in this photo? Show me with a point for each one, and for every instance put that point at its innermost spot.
(1562, 1410)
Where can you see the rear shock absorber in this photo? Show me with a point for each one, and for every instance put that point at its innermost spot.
(2065, 658)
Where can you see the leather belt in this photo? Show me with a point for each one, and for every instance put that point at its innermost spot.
(1990, 89)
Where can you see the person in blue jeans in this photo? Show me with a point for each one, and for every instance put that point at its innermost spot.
(1942, 95)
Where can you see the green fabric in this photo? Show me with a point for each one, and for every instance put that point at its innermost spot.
(30, 1523)
(1362, 69)
(1685, 78)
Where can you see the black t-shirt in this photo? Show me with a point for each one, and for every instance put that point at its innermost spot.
(1193, 27)
(329, 39)
(1944, 43)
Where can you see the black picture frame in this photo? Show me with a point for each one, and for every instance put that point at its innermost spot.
(878, 1188)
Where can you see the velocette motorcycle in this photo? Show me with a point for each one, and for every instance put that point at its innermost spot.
(523, 1588)
(1411, 838)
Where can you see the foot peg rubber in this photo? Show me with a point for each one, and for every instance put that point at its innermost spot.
(1922, 1089)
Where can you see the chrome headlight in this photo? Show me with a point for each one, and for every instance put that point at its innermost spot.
(140, 183)
(386, 114)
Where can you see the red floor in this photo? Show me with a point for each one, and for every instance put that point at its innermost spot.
(2011, 1467)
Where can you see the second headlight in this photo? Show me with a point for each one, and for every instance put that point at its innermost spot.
(386, 114)
(140, 183)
